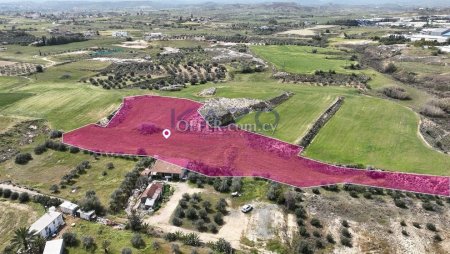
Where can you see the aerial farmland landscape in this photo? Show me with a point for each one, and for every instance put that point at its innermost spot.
(224, 126)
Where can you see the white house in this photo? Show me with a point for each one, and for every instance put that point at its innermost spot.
(119, 34)
(48, 224)
(68, 208)
(54, 247)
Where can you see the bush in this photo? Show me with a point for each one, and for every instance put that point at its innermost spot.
(70, 239)
(405, 233)
(171, 237)
(330, 239)
(74, 149)
(137, 241)
(7, 193)
(24, 197)
(14, 195)
(400, 203)
(316, 191)
(192, 239)
(213, 228)
(417, 225)
(218, 218)
(179, 212)
(390, 68)
(303, 247)
(437, 238)
(1, 192)
(346, 242)
(88, 242)
(427, 206)
(177, 222)
(55, 134)
(222, 246)
(191, 214)
(346, 233)
(126, 251)
(396, 92)
(23, 158)
(432, 111)
(345, 224)
(316, 223)
(431, 227)
(200, 225)
(40, 149)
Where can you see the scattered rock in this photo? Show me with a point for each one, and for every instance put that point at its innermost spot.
(208, 92)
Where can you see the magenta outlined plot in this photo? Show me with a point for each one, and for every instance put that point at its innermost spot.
(137, 127)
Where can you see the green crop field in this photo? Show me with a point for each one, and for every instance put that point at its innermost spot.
(300, 59)
(379, 133)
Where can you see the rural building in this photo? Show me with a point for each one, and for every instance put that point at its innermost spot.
(48, 224)
(68, 208)
(151, 195)
(437, 32)
(54, 247)
(90, 215)
(119, 34)
(2, 48)
(162, 169)
(154, 36)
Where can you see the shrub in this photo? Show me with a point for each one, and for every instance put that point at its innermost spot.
(23, 158)
(400, 203)
(213, 228)
(346, 233)
(396, 92)
(70, 239)
(88, 242)
(40, 149)
(431, 227)
(427, 206)
(316, 223)
(218, 218)
(222, 246)
(390, 68)
(405, 233)
(316, 191)
(24, 197)
(437, 238)
(127, 251)
(14, 195)
(303, 232)
(345, 224)
(191, 214)
(137, 241)
(319, 244)
(316, 234)
(171, 237)
(54, 188)
(416, 224)
(179, 212)
(1, 192)
(156, 245)
(7, 193)
(432, 111)
(192, 239)
(346, 242)
(55, 134)
(201, 225)
(177, 222)
(403, 223)
(303, 247)
(330, 239)
(74, 149)
(110, 165)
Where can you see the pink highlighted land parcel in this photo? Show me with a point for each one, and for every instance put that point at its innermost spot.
(136, 129)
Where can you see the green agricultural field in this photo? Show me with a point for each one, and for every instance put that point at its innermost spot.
(301, 59)
(9, 98)
(48, 169)
(379, 133)
(15, 215)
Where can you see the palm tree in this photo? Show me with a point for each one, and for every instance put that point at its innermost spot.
(38, 244)
(23, 238)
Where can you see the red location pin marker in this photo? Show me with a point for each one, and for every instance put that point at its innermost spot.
(166, 133)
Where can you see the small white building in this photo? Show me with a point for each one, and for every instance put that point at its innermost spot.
(119, 34)
(68, 208)
(90, 215)
(54, 247)
(48, 224)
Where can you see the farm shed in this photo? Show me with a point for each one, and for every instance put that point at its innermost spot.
(90, 215)
(54, 247)
(68, 208)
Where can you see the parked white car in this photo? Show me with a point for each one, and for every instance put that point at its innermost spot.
(246, 208)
